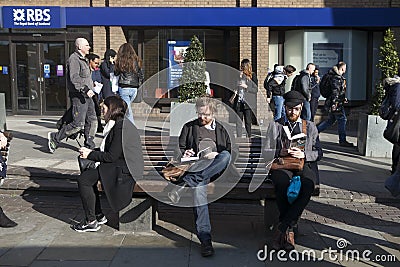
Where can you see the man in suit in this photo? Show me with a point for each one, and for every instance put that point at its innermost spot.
(203, 133)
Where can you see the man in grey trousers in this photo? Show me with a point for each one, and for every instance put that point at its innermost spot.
(80, 85)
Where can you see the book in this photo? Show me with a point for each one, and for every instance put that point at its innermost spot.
(298, 140)
(199, 155)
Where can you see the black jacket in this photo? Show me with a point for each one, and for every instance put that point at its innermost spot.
(250, 94)
(189, 138)
(117, 179)
(275, 88)
(130, 79)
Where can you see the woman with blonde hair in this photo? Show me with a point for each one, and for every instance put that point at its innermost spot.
(127, 67)
(246, 97)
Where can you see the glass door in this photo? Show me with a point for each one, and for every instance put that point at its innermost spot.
(40, 77)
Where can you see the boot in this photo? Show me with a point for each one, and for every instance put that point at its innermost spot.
(175, 194)
(277, 240)
(5, 221)
(288, 243)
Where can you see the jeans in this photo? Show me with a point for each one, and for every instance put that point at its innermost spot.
(340, 117)
(83, 117)
(314, 107)
(279, 108)
(128, 95)
(198, 178)
(306, 112)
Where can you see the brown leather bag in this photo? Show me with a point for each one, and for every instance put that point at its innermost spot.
(175, 170)
(288, 162)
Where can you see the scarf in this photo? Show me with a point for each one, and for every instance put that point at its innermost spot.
(110, 124)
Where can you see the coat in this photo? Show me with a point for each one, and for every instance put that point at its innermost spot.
(117, 172)
(250, 94)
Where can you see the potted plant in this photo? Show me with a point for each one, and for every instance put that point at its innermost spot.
(192, 86)
(371, 126)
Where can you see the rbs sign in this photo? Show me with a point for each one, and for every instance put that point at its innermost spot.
(33, 17)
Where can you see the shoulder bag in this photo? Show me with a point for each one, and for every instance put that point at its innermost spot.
(174, 171)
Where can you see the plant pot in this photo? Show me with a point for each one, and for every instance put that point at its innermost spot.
(180, 114)
(370, 141)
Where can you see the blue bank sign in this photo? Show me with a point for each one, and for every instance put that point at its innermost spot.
(33, 17)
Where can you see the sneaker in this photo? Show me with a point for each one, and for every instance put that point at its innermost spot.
(86, 227)
(51, 142)
(206, 249)
(101, 219)
(346, 144)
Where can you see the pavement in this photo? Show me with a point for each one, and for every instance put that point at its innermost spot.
(354, 214)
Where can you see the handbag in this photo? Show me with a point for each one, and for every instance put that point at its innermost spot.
(392, 131)
(288, 162)
(173, 171)
(293, 189)
(85, 164)
(232, 98)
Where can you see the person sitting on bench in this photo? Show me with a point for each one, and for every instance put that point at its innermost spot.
(278, 145)
(203, 133)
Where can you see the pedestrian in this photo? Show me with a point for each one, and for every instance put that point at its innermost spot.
(302, 84)
(315, 92)
(392, 93)
(107, 67)
(335, 103)
(111, 166)
(276, 87)
(80, 87)
(4, 220)
(207, 133)
(94, 63)
(246, 97)
(280, 146)
(130, 75)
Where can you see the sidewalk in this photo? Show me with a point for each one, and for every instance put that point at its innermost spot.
(353, 205)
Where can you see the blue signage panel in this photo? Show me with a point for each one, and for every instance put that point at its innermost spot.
(33, 17)
(233, 17)
(176, 56)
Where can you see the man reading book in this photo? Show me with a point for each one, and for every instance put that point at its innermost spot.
(286, 138)
(209, 136)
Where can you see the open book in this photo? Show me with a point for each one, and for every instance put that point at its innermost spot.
(199, 155)
(298, 140)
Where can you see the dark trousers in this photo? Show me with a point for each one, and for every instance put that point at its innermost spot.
(314, 107)
(290, 213)
(83, 117)
(395, 157)
(87, 184)
(243, 111)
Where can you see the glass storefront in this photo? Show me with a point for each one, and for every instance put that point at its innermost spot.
(220, 45)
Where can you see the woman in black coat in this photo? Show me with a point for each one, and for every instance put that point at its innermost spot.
(116, 153)
(105, 69)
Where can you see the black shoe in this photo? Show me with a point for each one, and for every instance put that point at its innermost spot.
(101, 219)
(5, 221)
(346, 144)
(86, 227)
(207, 249)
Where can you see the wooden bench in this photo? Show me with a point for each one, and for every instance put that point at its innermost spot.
(140, 215)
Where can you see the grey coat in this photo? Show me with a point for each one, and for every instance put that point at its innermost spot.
(79, 77)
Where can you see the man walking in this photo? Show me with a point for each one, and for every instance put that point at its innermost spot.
(303, 85)
(80, 87)
(335, 103)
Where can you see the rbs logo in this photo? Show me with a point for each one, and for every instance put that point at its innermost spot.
(31, 16)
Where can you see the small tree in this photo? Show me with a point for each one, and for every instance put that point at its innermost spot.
(192, 82)
(388, 65)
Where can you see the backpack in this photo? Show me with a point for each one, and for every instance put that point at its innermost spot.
(325, 86)
(296, 83)
(267, 79)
